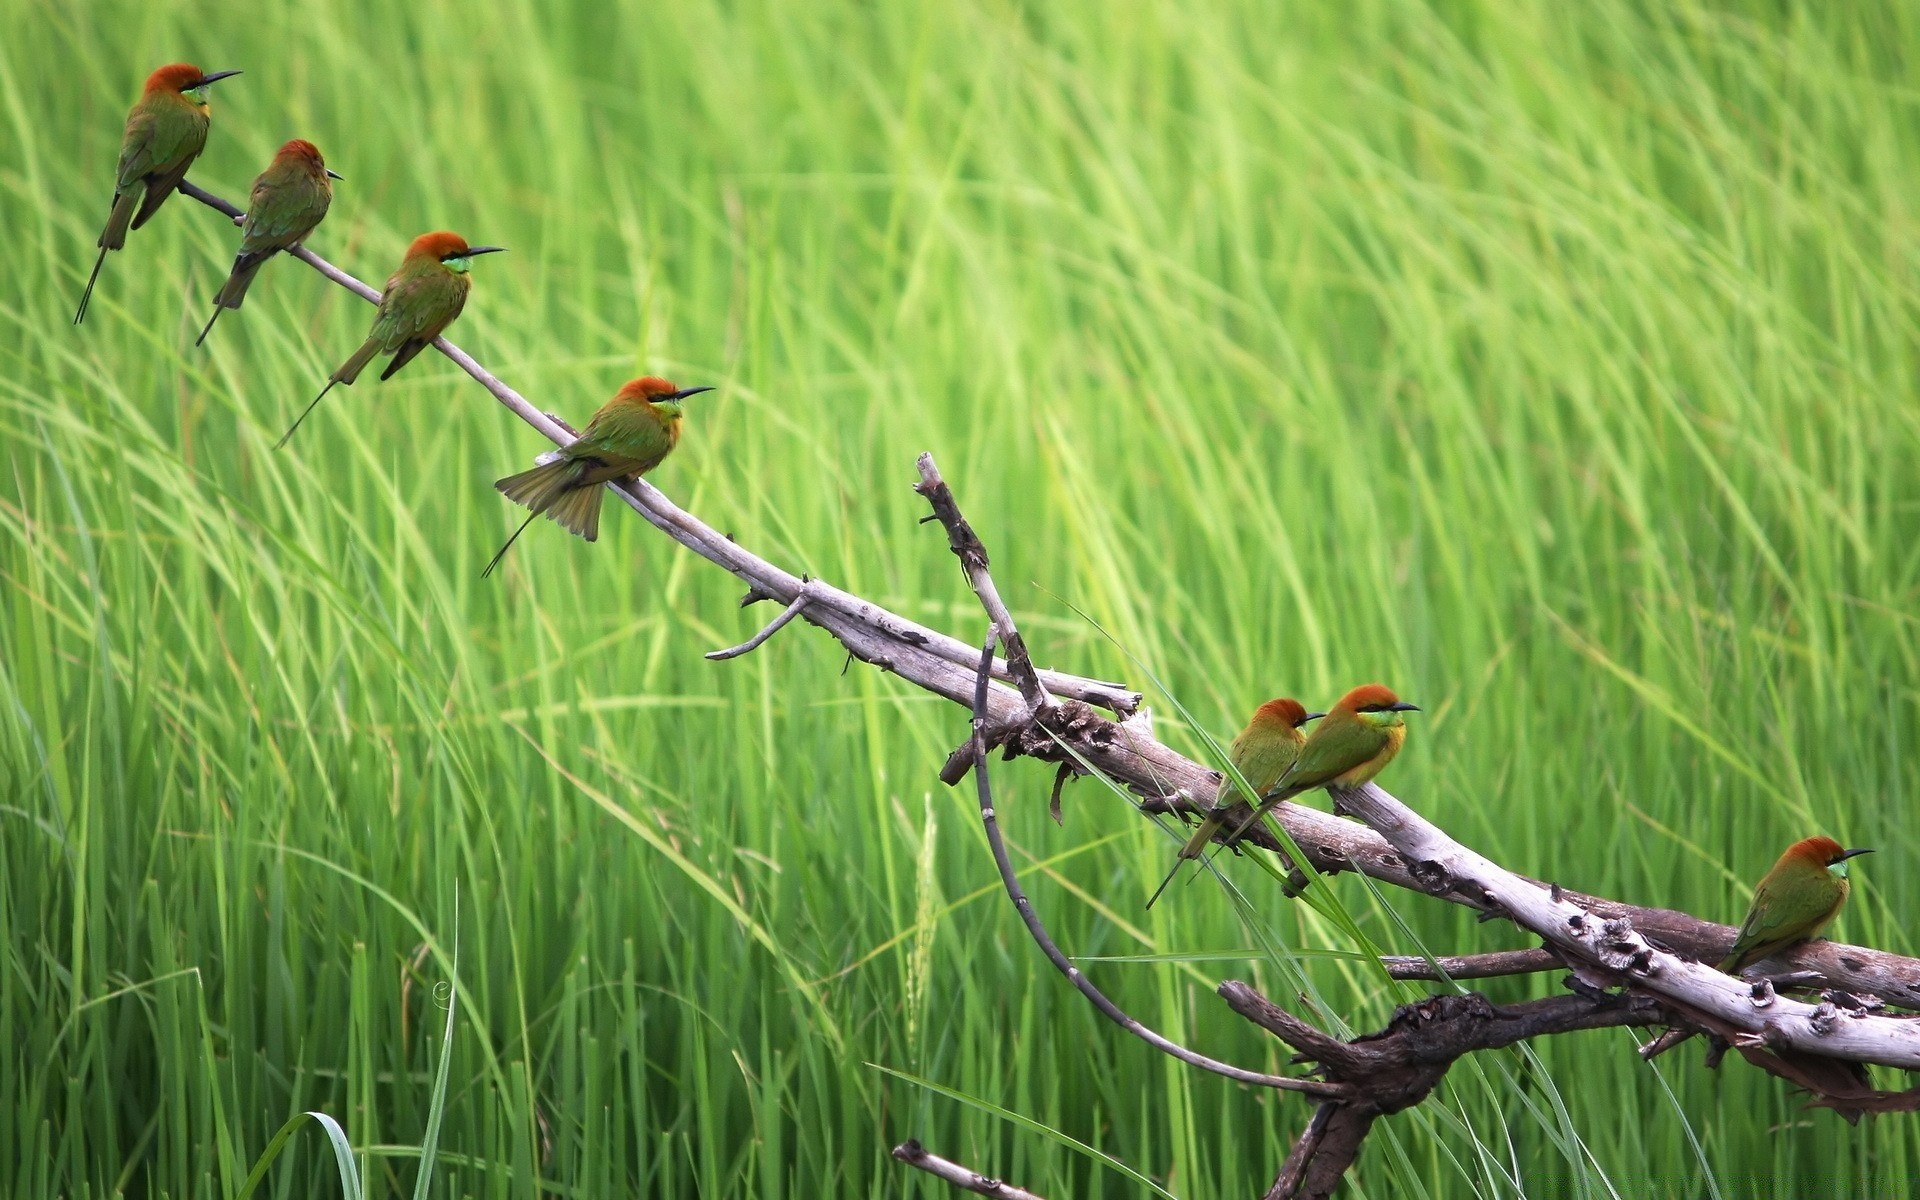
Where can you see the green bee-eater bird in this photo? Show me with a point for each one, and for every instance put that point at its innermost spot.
(1357, 739)
(630, 435)
(166, 131)
(289, 199)
(1261, 752)
(421, 299)
(1794, 901)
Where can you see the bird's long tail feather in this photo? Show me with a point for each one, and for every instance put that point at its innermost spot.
(234, 290)
(113, 237)
(288, 435)
(86, 297)
(218, 308)
(245, 267)
(350, 369)
(348, 372)
(1195, 847)
(579, 511)
(502, 552)
(555, 489)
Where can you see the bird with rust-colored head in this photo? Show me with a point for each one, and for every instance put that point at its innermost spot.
(1261, 752)
(166, 131)
(630, 435)
(1794, 902)
(421, 299)
(290, 198)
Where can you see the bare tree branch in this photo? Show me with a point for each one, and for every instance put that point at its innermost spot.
(1396, 1068)
(912, 1153)
(1617, 953)
(1045, 941)
(1473, 966)
(1630, 964)
(966, 546)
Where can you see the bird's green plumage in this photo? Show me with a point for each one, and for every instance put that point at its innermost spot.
(630, 435)
(1261, 752)
(1797, 899)
(165, 132)
(421, 299)
(289, 200)
(1340, 744)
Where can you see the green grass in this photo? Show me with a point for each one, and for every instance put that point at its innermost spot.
(1551, 362)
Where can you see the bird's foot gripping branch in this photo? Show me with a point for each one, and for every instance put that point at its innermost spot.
(1626, 965)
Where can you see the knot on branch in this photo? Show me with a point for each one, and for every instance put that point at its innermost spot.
(1432, 877)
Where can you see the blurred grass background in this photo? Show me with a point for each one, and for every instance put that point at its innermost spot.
(1547, 361)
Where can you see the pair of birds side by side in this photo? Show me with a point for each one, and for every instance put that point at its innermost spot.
(167, 130)
(1354, 742)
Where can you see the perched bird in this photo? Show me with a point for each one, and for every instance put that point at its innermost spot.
(1794, 901)
(1261, 752)
(1355, 742)
(289, 199)
(630, 435)
(166, 131)
(421, 299)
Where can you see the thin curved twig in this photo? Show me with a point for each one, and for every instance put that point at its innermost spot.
(772, 627)
(1038, 931)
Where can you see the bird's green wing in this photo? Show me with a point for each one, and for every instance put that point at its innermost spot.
(137, 156)
(1335, 748)
(417, 306)
(628, 436)
(158, 139)
(281, 211)
(1786, 913)
(1263, 756)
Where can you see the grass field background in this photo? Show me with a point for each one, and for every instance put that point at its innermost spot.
(1550, 362)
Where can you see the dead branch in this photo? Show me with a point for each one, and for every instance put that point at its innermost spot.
(1629, 963)
(1396, 1068)
(912, 1153)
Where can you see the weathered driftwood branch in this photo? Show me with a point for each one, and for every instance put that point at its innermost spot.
(912, 1153)
(1050, 715)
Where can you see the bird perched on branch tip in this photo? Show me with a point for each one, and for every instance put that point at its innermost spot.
(166, 130)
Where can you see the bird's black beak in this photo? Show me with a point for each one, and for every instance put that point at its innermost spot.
(1403, 706)
(333, 174)
(471, 251)
(214, 77)
(683, 393)
(1847, 854)
(1310, 717)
